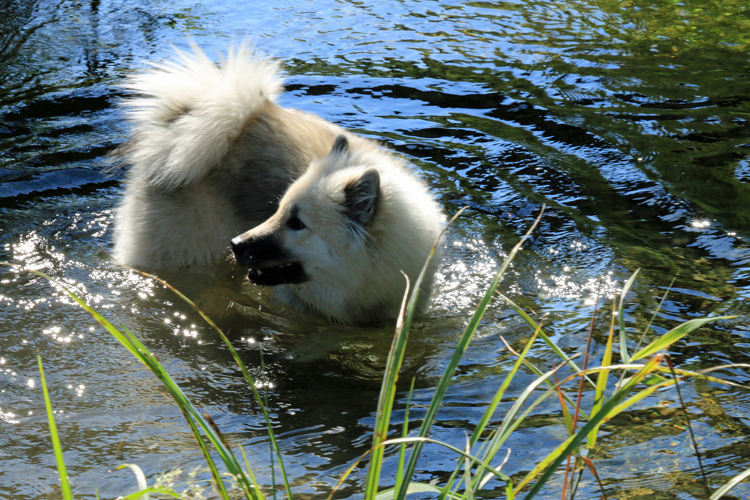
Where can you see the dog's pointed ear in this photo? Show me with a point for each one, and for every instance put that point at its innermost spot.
(341, 145)
(362, 197)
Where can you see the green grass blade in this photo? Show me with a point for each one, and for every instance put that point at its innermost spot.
(385, 402)
(479, 428)
(450, 370)
(194, 420)
(539, 373)
(411, 488)
(404, 433)
(567, 416)
(645, 330)
(393, 366)
(482, 464)
(392, 491)
(653, 316)
(674, 335)
(542, 335)
(639, 396)
(245, 373)
(624, 355)
(67, 493)
(218, 483)
(251, 474)
(467, 478)
(557, 456)
(512, 421)
(140, 352)
(601, 383)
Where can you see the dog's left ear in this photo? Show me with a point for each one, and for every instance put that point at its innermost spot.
(362, 197)
(341, 145)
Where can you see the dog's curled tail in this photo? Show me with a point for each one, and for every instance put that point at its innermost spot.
(187, 113)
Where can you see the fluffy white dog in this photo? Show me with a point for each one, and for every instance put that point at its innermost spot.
(327, 218)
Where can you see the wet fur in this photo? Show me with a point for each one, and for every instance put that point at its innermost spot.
(212, 156)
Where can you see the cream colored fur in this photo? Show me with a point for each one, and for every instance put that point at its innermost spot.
(356, 273)
(211, 154)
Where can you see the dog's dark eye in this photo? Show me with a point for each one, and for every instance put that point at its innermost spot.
(295, 223)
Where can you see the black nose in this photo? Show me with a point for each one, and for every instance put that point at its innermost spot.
(254, 249)
(237, 244)
(242, 246)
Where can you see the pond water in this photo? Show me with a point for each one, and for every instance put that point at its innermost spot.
(629, 120)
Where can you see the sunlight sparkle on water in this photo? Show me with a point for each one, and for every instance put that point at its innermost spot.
(468, 268)
(125, 280)
(563, 286)
(700, 224)
(96, 227)
(54, 332)
(26, 249)
(9, 417)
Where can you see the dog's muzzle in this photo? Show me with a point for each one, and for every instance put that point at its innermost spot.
(269, 264)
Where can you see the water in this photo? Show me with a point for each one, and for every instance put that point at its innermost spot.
(630, 123)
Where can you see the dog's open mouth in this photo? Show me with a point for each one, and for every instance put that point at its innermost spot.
(288, 273)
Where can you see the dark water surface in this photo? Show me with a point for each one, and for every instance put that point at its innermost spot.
(630, 120)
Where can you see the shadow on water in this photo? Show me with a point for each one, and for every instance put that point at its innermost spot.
(628, 120)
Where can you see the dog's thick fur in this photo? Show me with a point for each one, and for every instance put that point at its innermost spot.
(211, 155)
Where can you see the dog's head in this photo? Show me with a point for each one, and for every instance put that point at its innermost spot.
(323, 218)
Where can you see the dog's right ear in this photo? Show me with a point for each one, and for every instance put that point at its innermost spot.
(341, 145)
(363, 197)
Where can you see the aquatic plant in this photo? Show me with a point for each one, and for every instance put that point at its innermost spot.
(643, 372)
